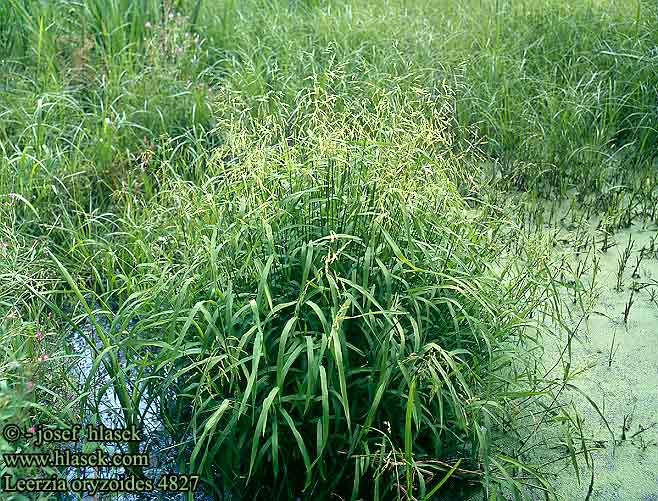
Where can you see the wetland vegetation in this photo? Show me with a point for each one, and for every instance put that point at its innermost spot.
(383, 249)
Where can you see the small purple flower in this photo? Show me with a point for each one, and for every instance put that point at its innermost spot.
(39, 335)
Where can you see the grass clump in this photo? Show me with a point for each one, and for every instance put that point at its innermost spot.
(301, 299)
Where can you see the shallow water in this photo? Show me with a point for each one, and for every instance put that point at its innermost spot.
(157, 443)
(622, 378)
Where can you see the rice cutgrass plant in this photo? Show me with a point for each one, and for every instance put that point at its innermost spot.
(315, 312)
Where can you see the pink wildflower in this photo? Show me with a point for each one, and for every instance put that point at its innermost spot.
(29, 385)
(39, 335)
(31, 429)
(43, 358)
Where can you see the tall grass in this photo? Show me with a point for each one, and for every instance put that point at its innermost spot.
(575, 80)
(290, 226)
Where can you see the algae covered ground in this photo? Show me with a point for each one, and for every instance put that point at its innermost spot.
(324, 249)
(618, 356)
